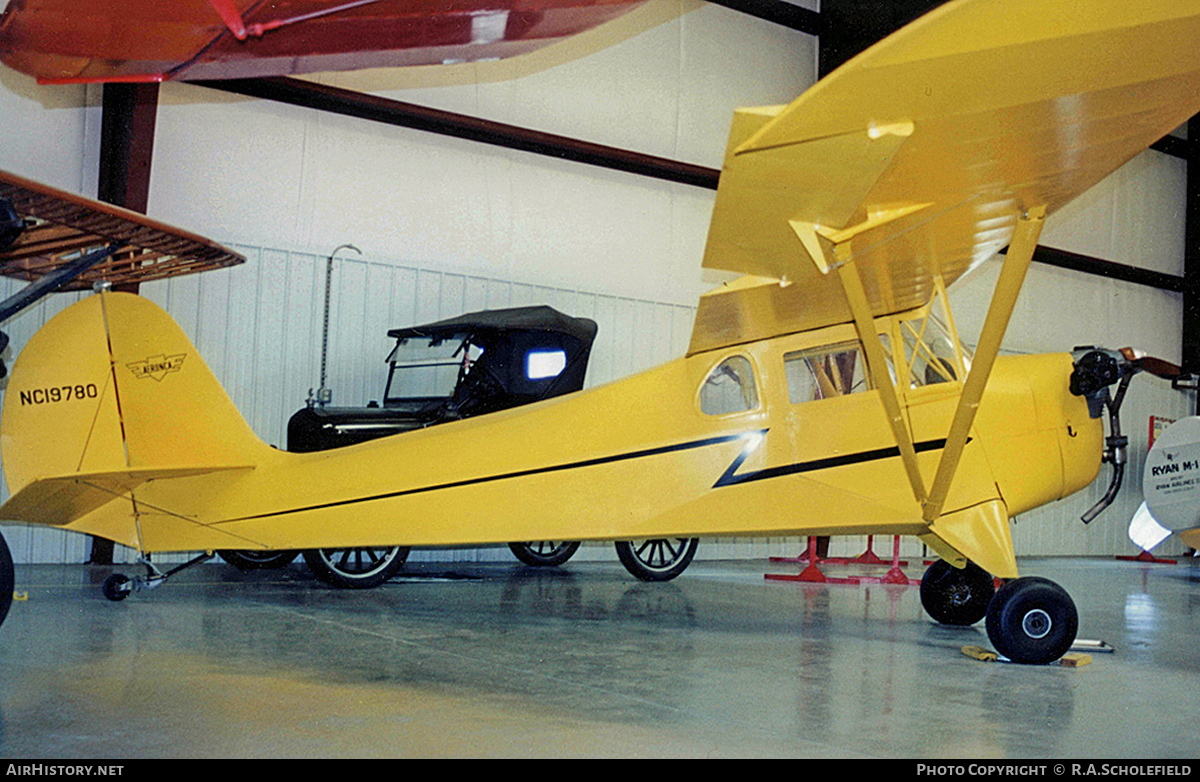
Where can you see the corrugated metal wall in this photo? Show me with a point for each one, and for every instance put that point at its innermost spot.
(259, 328)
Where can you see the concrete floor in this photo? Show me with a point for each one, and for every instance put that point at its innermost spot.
(499, 660)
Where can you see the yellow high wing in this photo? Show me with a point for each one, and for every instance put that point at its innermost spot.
(926, 155)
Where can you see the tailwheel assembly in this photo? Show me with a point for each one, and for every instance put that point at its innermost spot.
(119, 586)
(956, 596)
(1032, 620)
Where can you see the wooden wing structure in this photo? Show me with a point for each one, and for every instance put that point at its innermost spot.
(61, 241)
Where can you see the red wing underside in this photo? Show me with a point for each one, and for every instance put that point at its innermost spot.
(151, 40)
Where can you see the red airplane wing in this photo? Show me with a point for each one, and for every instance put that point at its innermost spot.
(151, 40)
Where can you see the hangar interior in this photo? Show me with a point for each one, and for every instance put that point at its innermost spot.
(469, 654)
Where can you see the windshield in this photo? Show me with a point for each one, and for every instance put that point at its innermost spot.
(423, 367)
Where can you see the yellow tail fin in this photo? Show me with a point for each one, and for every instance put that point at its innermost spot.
(108, 394)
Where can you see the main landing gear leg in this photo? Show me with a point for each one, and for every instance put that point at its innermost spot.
(119, 586)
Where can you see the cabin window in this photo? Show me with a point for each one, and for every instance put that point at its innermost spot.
(825, 372)
(929, 352)
(729, 388)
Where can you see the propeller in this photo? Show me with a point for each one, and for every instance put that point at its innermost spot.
(1152, 365)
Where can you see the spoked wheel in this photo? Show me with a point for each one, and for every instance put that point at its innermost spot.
(356, 568)
(544, 553)
(1032, 620)
(258, 560)
(956, 597)
(658, 559)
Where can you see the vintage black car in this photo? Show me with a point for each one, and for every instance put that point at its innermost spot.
(457, 368)
(465, 366)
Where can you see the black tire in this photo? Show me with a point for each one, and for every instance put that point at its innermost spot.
(954, 596)
(544, 553)
(1032, 620)
(658, 559)
(7, 579)
(116, 587)
(356, 568)
(251, 559)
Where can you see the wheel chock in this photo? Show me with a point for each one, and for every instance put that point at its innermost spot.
(20, 594)
(1069, 660)
(979, 653)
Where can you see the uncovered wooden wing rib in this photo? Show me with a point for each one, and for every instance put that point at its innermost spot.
(59, 227)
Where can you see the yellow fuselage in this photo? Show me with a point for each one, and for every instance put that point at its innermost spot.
(632, 459)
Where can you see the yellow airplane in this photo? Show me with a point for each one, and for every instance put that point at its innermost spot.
(825, 391)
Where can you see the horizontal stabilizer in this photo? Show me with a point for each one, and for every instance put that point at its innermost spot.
(63, 499)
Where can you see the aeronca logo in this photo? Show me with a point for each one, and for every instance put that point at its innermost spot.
(157, 367)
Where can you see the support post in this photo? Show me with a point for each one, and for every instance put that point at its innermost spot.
(1004, 299)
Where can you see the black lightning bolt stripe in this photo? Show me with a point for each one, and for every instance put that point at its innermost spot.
(674, 448)
(731, 479)
(728, 478)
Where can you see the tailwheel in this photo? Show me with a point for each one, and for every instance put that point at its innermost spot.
(356, 568)
(658, 559)
(117, 587)
(956, 596)
(544, 553)
(1032, 620)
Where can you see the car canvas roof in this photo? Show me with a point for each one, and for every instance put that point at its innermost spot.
(537, 318)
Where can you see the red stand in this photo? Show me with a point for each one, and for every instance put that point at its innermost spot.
(1146, 556)
(868, 557)
(811, 574)
(895, 575)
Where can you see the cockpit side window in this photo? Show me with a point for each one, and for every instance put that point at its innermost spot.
(729, 388)
(826, 372)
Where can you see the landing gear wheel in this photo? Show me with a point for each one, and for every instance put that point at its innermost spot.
(117, 587)
(258, 560)
(659, 559)
(7, 579)
(1032, 620)
(956, 597)
(356, 568)
(544, 553)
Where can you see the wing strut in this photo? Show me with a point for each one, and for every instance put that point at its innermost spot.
(1004, 298)
(864, 322)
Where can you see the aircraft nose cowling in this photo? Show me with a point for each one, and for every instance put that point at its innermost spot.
(1040, 440)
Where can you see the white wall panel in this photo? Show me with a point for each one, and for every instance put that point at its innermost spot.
(48, 133)
(279, 176)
